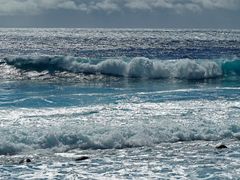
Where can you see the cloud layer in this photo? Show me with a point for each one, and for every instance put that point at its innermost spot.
(15, 7)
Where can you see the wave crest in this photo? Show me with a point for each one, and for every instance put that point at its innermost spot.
(139, 67)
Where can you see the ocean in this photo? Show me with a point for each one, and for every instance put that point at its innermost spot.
(119, 104)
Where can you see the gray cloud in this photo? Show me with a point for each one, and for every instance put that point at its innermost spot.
(15, 7)
(179, 5)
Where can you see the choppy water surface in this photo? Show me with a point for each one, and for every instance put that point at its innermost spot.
(150, 104)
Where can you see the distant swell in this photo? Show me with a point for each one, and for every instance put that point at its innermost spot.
(139, 67)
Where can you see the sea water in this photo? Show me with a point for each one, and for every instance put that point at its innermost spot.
(140, 103)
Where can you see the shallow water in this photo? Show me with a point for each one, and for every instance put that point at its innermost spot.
(183, 160)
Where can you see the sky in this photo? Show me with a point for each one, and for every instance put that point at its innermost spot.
(121, 13)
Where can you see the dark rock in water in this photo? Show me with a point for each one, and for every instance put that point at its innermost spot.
(82, 158)
(221, 146)
(22, 161)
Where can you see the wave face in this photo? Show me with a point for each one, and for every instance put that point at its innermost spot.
(139, 67)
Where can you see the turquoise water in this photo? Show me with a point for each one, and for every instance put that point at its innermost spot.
(148, 104)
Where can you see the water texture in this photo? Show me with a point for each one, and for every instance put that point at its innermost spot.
(140, 103)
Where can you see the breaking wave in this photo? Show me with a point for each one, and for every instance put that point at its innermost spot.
(112, 138)
(139, 67)
(63, 129)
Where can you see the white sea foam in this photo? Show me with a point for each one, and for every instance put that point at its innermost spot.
(116, 126)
